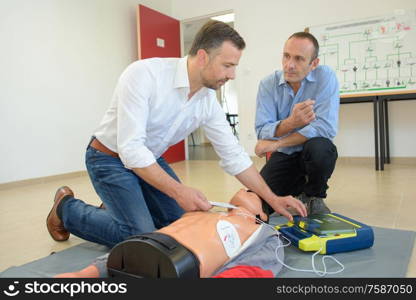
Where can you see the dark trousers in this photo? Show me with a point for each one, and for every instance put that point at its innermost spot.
(307, 171)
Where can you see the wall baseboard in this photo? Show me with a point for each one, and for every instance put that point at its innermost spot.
(40, 180)
(393, 160)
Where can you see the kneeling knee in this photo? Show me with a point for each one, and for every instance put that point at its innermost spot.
(320, 150)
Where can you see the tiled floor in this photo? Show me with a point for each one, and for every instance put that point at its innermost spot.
(386, 199)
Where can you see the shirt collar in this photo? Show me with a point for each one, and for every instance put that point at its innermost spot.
(181, 76)
(310, 77)
(282, 79)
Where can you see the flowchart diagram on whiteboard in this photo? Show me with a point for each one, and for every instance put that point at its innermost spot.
(371, 55)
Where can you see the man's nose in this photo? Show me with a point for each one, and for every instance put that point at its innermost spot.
(231, 74)
(291, 64)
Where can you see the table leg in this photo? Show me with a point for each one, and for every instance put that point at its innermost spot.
(382, 131)
(386, 129)
(375, 105)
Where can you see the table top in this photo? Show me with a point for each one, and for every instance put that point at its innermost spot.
(382, 93)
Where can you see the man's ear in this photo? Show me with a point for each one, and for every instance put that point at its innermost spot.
(315, 63)
(202, 57)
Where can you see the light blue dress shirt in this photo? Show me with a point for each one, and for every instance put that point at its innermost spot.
(275, 101)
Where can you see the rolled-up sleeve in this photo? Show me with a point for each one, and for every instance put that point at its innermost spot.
(326, 109)
(266, 114)
(233, 158)
(134, 91)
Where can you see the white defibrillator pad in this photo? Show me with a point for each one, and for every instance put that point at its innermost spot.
(229, 237)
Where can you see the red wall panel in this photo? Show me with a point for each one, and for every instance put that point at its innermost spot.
(153, 25)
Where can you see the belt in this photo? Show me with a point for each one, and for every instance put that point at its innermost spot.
(96, 144)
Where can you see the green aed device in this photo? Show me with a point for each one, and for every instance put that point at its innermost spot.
(329, 233)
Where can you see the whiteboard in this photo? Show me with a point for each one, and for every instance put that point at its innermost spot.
(372, 55)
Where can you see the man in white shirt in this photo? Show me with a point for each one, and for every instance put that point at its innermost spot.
(157, 103)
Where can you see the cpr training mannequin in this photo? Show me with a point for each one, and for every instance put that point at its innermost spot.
(198, 232)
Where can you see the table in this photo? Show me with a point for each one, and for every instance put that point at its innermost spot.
(383, 100)
(363, 98)
(381, 121)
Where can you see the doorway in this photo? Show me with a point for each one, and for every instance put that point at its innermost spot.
(198, 146)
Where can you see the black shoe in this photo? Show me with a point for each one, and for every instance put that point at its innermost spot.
(314, 205)
(317, 206)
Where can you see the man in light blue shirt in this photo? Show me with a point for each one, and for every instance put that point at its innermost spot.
(296, 120)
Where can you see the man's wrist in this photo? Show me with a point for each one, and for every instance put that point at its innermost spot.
(277, 145)
(175, 190)
(290, 125)
(271, 198)
(284, 127)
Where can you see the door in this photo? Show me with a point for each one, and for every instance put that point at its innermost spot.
(158, 35)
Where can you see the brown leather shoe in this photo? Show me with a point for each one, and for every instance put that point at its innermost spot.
(53, 222)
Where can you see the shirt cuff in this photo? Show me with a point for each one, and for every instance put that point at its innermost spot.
(268, 131)
(308, 132)
(138, 157)
(239, 164)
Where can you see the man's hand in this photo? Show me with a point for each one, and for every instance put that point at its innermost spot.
(264, 146)
(191, 199)
(302, 114)
(188, 198)
(281, 204)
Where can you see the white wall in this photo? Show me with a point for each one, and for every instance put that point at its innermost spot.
(60, 59)
(59, 62)
(265, 26)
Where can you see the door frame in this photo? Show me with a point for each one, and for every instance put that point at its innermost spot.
(181, 28)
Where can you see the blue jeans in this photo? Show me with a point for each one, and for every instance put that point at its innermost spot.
(132, 205)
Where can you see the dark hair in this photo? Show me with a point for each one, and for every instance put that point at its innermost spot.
(213, 34)
(308, 36)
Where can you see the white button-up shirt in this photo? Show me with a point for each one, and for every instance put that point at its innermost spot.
(150, 111)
